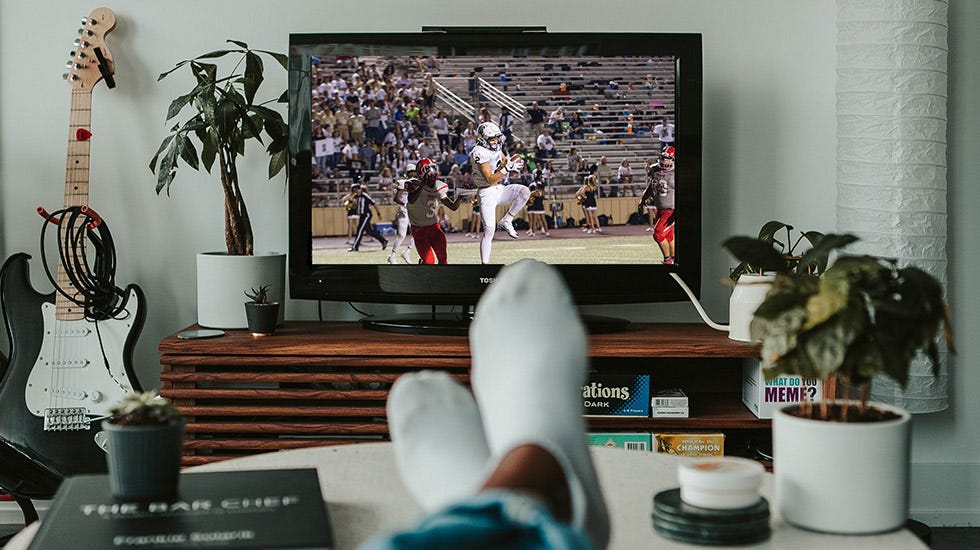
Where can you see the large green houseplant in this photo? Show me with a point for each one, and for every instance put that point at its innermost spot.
(223, 111)
(843, 466)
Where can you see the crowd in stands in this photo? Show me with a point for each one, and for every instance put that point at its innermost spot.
(372, 117)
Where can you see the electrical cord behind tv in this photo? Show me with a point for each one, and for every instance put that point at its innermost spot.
(697, 304)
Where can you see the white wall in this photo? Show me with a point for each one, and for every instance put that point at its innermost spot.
(769, 150)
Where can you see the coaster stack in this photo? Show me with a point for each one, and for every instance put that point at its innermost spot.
(677, 520)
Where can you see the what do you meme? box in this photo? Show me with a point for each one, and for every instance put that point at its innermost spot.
(764, 397)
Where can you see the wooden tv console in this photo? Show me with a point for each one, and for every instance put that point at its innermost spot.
(314, 383)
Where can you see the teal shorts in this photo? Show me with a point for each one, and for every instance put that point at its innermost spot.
(498, 520)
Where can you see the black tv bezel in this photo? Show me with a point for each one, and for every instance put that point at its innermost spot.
(462, 284)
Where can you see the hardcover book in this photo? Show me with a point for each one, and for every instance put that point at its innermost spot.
(230, 510)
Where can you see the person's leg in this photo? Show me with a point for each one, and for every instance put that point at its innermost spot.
(516, 412)
(533, 470)
(488, 211)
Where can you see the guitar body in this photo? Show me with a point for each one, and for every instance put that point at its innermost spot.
(58, 375)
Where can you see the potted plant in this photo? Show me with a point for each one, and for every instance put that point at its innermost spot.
(842, 465)
(762, 258)
(145, 441)
(262, 314)
(222, 111)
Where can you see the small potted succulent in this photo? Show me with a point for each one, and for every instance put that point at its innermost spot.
(840, 465)
(261, 313)
(145, 441)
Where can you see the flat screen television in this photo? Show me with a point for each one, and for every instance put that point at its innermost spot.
(380, 97)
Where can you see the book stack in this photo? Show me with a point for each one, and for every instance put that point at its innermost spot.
(669, 403)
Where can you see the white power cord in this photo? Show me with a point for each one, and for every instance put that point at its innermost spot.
(697, 304)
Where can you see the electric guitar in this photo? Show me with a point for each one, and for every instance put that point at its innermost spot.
(67, 365)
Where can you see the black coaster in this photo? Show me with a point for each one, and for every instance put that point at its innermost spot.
(677, 520)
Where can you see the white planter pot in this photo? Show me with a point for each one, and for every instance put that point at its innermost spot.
(750, 291)
(842, 477)
(222, 281)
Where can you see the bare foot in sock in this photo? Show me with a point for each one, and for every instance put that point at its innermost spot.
(528, 384)
(440, 450)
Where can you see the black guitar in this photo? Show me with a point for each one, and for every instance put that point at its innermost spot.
(67, 365)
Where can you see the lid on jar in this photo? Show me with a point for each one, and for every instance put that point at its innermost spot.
(722, 474)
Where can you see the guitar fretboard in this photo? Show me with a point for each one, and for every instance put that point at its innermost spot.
(76, 189)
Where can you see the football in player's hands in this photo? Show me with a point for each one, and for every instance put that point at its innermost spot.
(515, 163)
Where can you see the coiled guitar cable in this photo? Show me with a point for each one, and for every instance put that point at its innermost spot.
(93, 285)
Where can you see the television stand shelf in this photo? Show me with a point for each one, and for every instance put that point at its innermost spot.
(314, 383)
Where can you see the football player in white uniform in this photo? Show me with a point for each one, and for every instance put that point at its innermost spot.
(423, 201)
(490, 172)
(400, 197)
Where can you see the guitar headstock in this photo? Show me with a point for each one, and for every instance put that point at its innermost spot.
(91, 60)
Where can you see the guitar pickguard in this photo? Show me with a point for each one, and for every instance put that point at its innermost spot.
(80, 366)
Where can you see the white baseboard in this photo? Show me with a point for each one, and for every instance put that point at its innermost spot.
(946, 495)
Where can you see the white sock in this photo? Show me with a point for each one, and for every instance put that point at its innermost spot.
(440, 450)
(507, 217)
(528, 384)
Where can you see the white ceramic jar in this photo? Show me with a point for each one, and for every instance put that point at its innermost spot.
(724, 483)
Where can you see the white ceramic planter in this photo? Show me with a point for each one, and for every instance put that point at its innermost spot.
(222, 281)
(750, 291)
(848, 478)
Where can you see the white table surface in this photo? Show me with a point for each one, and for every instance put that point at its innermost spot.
(364, 497)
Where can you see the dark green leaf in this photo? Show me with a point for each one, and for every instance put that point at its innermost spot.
(253, 76)
(276, 163)
(284, 98)
(188, 152)
(216, 53)
(238, 43)
(818, 256)
(756, 253)
(177, 66)
(168, 168)
(209, 151)
(163, 145)
(769, 230)
(281, 58)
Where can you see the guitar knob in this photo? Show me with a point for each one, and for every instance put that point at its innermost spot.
(97, 397)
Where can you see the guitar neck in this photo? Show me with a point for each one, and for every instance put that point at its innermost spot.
(76, 189)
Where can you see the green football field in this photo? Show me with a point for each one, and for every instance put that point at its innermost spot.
(616, 245)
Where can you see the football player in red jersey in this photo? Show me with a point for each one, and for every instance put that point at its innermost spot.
(661, 189)
(423, 201)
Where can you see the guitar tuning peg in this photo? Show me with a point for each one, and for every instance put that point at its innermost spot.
(80, 31)
(64, 76)
(68, 65)
(85, 21)
(78, 66)
(77, 42)
(81, 55)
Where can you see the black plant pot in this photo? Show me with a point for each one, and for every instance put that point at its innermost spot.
(262, 318)
(144, 461)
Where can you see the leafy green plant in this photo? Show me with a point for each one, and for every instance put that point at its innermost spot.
(224, 114)
(863, 317)
(767, 253)
(258, 295)
(143, 409)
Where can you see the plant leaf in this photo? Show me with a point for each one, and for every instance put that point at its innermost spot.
(253, 76)
(276, 163)
(281, 58)
(238, 43)
(163, 145)
(769, 230)
(818, 256)
(216, 53)
(188, 152)
(177, 66)
(756, 253)
(209, 151)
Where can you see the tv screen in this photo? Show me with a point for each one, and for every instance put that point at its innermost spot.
(593, 159)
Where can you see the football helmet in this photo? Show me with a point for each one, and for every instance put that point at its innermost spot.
(428, 171)
(667, 158)
(489, 135)
(409, 168)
